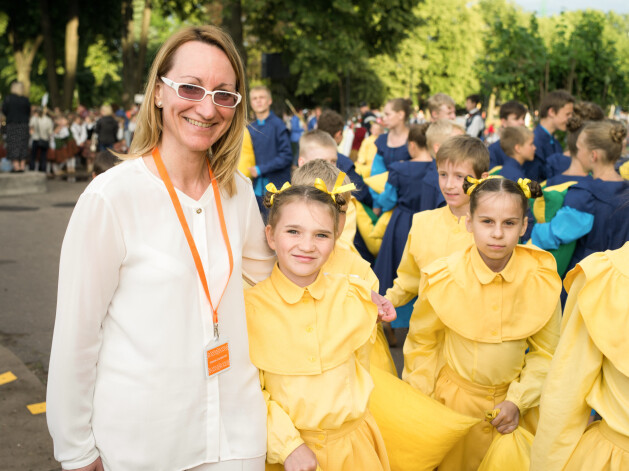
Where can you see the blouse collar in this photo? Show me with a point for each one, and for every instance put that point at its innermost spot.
(290, 292)
(485, 275)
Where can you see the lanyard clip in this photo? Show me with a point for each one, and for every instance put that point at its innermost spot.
(216, 330)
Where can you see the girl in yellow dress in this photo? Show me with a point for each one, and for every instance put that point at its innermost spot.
(485, 327)
(590, 370)
(310, 333)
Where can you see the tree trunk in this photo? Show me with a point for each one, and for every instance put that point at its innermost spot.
(570, 79)
(49, 52)
(71, 53)
(144, 36)
(128, 56)
(491, 107)
(232, 22)
(24, 59)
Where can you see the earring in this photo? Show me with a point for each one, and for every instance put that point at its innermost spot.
(159, 104)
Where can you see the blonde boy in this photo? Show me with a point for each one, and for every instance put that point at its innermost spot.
(316, 144)
(438, 132)
(441, 106)
(440, 232)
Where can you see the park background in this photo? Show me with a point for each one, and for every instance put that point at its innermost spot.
(334, 53)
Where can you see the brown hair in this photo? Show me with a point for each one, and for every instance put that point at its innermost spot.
(438, 99)
(501, 185)
(583, 112)
(104, 161)
(512, 107)
(305, 193)
(607, 136)
(514, 136)
(401, 104)
(555, 101)
(225, 152)
(417, 134)
(331, 122)
(458, 149)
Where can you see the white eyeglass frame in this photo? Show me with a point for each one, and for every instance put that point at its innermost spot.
(175, 86)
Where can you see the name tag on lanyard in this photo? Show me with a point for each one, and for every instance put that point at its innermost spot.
(216, 357)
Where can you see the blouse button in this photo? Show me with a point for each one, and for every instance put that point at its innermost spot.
(495, 307)
(493, 333)
(489, 398)
(311, 359)
(199, 210)
(487, 429)
(309, 329)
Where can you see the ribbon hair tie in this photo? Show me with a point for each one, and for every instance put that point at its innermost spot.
(523, 183)
(272, 189)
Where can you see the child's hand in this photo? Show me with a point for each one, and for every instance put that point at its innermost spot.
(386, 311)
(301, 459)
(508, 418)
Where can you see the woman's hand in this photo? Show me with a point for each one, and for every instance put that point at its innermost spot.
(95, 466)
(301, 459)
(508, 418)
(386, 311)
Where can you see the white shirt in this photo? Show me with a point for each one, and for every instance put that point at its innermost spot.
(127, 379)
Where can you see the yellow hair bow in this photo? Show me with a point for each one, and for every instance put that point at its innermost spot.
(271, 188)
(477, 181)
(523, 183)
(339, 188)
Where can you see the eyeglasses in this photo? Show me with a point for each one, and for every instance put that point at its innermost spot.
(191, 92)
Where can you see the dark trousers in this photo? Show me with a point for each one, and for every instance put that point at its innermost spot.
(39, 147)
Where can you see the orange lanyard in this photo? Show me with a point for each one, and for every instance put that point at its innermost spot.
(186, 230)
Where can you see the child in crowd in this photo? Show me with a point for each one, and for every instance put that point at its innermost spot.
(517, 144)
(441, 106)
(484, 330)
(368, 148)
(315, 380)
(439, 132)
(392, 145)
(569, 165)
(317, 144)
(590, 370)
(590, 203)
(440, 232)
(554, 111)
(512, 113)
(345, 258)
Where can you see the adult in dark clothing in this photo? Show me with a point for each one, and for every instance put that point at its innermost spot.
(106, 128)
(17, 111)
(365, 114)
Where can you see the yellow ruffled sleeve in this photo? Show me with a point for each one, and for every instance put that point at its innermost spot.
(564, 412)
(282, 436)
(406, 284)
(422, 361)
(247, 156)
(525, 391)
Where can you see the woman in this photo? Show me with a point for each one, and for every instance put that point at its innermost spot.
(393, 145)
(17, 110)
(133, 381)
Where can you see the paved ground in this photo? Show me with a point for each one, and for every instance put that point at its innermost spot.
(31, 232)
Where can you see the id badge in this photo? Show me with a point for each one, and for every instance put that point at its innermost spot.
(216, 358)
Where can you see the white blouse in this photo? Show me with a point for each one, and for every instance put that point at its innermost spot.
(127, 379)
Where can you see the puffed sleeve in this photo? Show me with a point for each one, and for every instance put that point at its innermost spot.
(421, 348)
(282, 436)
(406, 284)
(91, 255)
(247, 156)
(525, 392)
(564, 412)
(257, 258)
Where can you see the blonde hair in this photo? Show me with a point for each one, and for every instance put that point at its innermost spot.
(17, 88)
(459, 149)
(318, 168)
(224, 154)
(261, 88)
(438, 99)
(106, 110)
(315, 139)
(439, 131)
(514, 136)
(608, 136)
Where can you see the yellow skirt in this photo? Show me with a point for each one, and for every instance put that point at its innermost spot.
(357, 445)
(600, 449)
(473, 400)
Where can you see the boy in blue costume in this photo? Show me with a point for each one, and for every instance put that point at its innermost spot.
(517, 144)
(512, 113)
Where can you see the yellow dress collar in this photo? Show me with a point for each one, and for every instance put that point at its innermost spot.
(290, 292)
(485, 275)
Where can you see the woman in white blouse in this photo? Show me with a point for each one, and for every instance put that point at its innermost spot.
(129, 386)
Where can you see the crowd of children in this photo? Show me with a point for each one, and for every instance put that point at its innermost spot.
(432, 222)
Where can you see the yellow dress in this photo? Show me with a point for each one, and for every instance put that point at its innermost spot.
(311, 346)
(349, 230)
(434, 234)
(590, 370)
(366, 154)
(469, 334)
(247, 156)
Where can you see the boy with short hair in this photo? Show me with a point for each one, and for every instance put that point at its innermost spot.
(271, 145)
(441, 106)
(316, 144)
(438, 132)
(517, 144)
(554, 112)
(440, 232)
(512, 113)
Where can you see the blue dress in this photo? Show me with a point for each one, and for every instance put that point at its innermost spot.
(417, 185)
(557, 164)
(386, 155)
